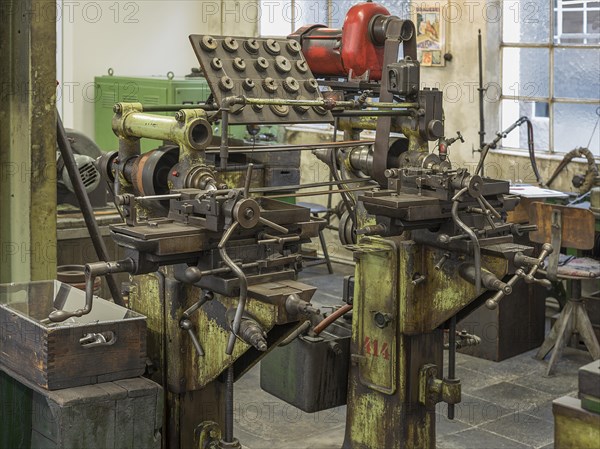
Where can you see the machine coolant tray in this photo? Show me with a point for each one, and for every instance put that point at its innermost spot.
(107, 344)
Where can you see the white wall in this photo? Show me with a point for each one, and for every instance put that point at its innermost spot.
(141, 38)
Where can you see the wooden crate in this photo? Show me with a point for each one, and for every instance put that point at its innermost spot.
(52, 355)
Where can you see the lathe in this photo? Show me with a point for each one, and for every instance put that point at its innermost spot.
(214, 261)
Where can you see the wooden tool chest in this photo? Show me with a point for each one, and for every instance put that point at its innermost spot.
(107, 344)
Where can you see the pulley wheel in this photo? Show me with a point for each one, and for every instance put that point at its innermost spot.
(346, 230)
(246, 212)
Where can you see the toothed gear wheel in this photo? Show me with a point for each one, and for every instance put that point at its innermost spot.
(280, 110)
(216, 64)
(291, 84)
(208, 43)
(248, 84)
(270, 85)
(293, 47)
(282, 64)
(239, 64)
(311, 85)
(262, 64)
(230, 44)
(252, 46)
(272, 47)
(225, 83)
(302, 66)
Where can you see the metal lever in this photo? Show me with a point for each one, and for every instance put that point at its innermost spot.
(188, 326)
(451, 359)
(92, 270)
(529, 277)
(248, 180)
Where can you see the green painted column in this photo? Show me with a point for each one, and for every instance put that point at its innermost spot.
(27, 173)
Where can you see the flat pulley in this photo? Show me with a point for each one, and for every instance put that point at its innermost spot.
(247, 213)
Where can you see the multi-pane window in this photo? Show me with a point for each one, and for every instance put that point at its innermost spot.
(551, 73)
(281, 17)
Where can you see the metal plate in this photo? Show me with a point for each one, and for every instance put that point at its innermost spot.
(263, 68)
(577, 225)
(375, 290)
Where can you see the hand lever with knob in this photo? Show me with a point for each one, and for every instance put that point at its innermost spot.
(529, 277)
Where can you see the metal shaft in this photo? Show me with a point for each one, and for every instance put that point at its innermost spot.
(224, 148)
(481, 92)
(320, 192)
(309, 186)
(176, 107)
(86, 207)
(303, 147)
(451, 358)
(229, 406)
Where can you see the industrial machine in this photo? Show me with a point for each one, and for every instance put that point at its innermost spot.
(214, 259)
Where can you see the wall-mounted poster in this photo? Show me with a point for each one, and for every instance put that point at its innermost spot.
(431, 32)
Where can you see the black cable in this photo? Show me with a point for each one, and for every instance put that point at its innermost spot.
(531, 149)
(86, 207)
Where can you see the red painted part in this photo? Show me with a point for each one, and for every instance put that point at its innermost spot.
(359, 53)
(321, 48)
(335, 52)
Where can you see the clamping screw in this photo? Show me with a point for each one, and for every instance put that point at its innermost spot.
(418, 279)
(382, 319)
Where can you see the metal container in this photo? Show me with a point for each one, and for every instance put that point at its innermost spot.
(107, 344)
(310, 373)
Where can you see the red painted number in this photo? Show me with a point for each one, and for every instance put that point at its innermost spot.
(371, 347)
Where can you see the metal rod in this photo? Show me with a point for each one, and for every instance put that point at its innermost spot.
(86, 207)
(299, 331)
(467, 230)
(320, 192)
(451, 358)
(368, 113)
(235, 326)
(248, 180)
(304, 147)
(551, 99)
(176, 107)
(224, 148)
(481, 92)
(499, 136)
(308, 186)
(351, 104)
(169, 196)
(229, 406)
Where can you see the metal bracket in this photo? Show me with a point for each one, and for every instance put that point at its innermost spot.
(556, 236)
(433, 390)
(207, 434)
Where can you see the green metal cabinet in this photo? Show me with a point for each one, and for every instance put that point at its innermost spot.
(152, 91)
(146, 90)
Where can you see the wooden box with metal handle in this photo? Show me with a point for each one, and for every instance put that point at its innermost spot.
(106, 345)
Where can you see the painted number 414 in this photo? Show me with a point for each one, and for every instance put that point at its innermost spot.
(373, 348)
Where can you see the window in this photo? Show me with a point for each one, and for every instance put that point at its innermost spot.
(280, 18)
(551, 73)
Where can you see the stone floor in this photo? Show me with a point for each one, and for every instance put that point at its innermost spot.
(504, 405)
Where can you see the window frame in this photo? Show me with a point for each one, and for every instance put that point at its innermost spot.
(552, 45)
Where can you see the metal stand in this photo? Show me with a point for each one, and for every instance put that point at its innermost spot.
(573, 319)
